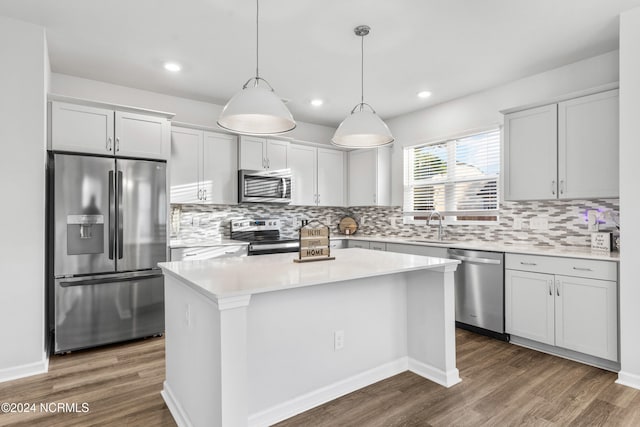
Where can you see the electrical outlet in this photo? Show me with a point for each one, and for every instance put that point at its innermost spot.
(517, 223)
(539, 223)
(592, 220)
(338, 340)
(362, 220)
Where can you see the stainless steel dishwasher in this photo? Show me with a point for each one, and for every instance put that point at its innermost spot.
(479, 288)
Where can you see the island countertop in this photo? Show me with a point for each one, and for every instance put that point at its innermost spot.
(237, 276)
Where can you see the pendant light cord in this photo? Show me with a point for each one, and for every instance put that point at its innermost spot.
(257, 41)
(361, 70)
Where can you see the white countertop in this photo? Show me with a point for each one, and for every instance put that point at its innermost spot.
(568, 252)
(236, 276)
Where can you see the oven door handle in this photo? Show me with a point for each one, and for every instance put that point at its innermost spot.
(267, 247)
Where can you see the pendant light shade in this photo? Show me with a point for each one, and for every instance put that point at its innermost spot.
(362, 128)
(256, 109)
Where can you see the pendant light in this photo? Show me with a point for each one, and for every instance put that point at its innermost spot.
(363, 128)
(256, 109)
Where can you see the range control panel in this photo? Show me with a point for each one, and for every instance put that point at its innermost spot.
(255, 225)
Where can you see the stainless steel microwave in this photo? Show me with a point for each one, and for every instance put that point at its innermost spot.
(269, 186)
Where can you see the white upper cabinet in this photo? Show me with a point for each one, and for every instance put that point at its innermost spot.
(567, 150)
(87, 129)
(303, 165)
(257, 153)
(203, 167)
(318, 176)
(82, 129)
(142, 136)
(331, 174)
(530, 154)
(370, 177)
(185, 165)
(220, 168)
(588, 153)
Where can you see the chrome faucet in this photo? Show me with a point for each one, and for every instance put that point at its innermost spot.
(434, 212)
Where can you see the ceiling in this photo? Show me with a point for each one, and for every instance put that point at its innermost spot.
(308, 48)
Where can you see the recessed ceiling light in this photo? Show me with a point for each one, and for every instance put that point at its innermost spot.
(424, 94)
(172, 66)
(317, 102)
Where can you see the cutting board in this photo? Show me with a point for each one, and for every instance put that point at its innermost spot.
(348, 225)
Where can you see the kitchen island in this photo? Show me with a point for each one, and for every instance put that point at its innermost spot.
(255, 340)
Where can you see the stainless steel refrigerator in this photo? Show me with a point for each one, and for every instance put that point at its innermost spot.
(107, 233)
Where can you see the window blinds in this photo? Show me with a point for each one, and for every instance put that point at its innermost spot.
(458, 177)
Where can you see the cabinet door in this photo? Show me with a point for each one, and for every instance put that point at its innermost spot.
(81, 129)
(588, 154)
(586, 316)
(331, 185)
(277, 154)
(383, 176)
(185, 166)
(529, 305)
(219, 178)
(362, 177)
(142, 136)
(251, 153)
(530, 158)
(302, 162)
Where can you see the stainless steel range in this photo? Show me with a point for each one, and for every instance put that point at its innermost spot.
(263, 236)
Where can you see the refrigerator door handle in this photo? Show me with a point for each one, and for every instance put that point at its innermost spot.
(120, 279)
(120, 217)
(112, 215)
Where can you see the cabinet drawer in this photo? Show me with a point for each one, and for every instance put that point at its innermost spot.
(358, 244)
(576, 267)
(337, 244)
(200, 253)
(378, 246)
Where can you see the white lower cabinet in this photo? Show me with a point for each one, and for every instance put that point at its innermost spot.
(434, 251)
(529, 303)
(577, 312)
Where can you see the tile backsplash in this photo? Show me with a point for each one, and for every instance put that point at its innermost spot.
(566, 221)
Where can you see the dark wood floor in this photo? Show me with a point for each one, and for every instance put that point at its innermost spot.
(502, 385)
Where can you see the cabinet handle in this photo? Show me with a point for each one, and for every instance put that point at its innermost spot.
(268, 163)
(562, 186)
(374, 198)
(553, 187)
(528, 263)
(109, 141)
(317, 199)
(550, 291)
(582, 269)
(229, 252)
(199, 194)
(118, 143)
(204, 194)
(558, 287)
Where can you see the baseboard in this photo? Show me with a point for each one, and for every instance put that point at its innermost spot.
(27, 370)
(325, 394)
(566, 354)
(446, 379)
(179, 416)
(630, 380)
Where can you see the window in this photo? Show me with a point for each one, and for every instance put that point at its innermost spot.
(458, 178)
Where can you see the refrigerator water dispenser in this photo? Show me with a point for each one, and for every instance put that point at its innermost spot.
(85, 234)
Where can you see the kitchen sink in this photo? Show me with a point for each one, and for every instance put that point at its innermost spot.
(439, 242)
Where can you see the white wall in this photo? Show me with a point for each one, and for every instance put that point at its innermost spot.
(186, 110)
(481, 110)
(629, 197)
(23, 78)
